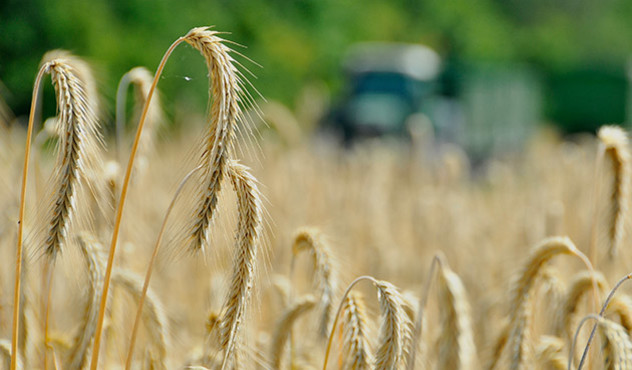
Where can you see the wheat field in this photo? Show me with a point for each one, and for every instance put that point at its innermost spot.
(227, 244)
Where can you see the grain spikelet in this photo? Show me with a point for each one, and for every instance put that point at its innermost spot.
(248, 233)
(5, 354)
(153, 313)
(390, 354)
(519, 343)
(615, 143)
(456, 343)
(79, 143)
(581, 284)
(91, 251)
(284, 326)
(549, 353)
(617, 347)
(356, 345)
(312, 240)
(226, 90)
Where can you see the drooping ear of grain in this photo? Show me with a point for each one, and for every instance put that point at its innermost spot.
(284, 326)
(456, 342)
(249, 225)
(356, 345)
(153, 314)
(225, 113)
(79, 149)
(393, 330)
(616, 347)
(519, 345)
(326, 280)
(92, 253)
(582, 284)
(617, 153)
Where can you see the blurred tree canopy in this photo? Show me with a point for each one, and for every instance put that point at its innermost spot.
(302, 40)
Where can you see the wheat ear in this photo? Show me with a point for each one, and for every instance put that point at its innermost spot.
(153, 313)
(248, 233)
(284, 326)
(581, 284)
(617, 347)
(615, 143)
(518, 340)
(79, 146)
(75, 109)
(549, 353)
(312, 240)
(141, 79)
(226, 89)
(92, 254)
(393, 329)
(356, 346)
(456, 342)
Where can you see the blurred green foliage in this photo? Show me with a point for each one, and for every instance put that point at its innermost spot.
(302, 40)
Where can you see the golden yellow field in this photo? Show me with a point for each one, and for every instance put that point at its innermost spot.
(256, 281)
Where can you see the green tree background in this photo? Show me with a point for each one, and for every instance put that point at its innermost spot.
(300, 41)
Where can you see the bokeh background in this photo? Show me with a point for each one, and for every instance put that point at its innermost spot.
(568, 57)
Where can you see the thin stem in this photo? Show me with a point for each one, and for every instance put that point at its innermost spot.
(344, 296)
(603, 309)
(18, 258)
(437, 260)
(576, 336)
(119, 212)
(49, 289)
(141, 301)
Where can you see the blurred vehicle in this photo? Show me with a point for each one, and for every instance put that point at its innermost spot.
(386, 84)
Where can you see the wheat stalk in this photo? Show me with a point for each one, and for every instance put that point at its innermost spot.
(356, 344)
(92, 252)
(312, 240)
(615, 143)
(284, 326)
(5, 353)
(456, 342)
(248, 233)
